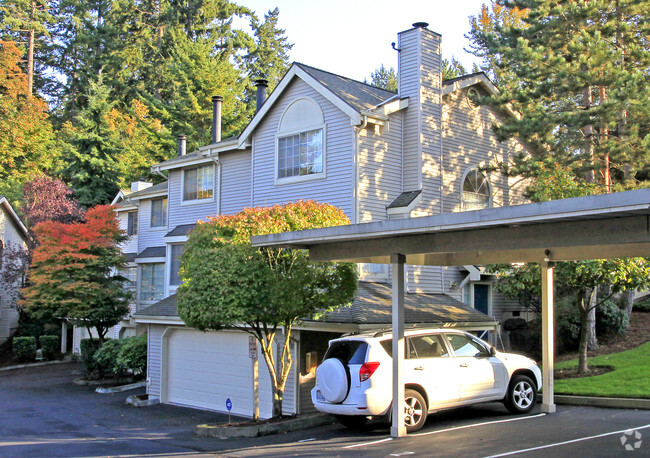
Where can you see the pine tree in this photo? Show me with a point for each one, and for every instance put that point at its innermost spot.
(269, 58)
(581, 84)
(92, 168)
(486, 22)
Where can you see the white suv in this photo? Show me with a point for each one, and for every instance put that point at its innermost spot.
(442, 369)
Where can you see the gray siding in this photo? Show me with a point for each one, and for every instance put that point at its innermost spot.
(10, 235)
(380, 169)
(154, 358)
(409, 86)
(468, 141)
(148, 236)
(336, 188)
(235, 181)
(187, 213)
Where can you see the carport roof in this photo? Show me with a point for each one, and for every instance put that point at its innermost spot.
(592, 227)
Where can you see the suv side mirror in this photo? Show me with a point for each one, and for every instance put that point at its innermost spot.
(493, 351)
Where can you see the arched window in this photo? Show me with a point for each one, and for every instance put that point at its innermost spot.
(476, 191)
(301, 142)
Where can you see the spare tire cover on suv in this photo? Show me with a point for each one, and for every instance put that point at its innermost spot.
(332, 380)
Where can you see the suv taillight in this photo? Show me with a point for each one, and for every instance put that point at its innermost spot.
(367, 369)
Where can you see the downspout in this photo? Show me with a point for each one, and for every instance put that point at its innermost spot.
(157, 170)
(217, 164)
(357, 152)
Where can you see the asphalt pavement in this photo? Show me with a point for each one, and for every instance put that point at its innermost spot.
(42, 413)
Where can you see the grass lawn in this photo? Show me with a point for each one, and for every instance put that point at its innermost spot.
(629, 379)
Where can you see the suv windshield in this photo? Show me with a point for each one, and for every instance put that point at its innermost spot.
(347, 351)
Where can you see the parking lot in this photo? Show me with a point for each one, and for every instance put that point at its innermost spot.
(44, 414)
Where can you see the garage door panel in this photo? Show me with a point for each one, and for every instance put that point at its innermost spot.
(205, 369)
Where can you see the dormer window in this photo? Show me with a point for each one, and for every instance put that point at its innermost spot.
(476, 191)
(300, 152)
(198, 183)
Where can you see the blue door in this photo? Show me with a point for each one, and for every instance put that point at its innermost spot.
(481, 298)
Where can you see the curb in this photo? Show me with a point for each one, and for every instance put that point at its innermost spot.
(223, 431)
(84, 382)
(119, 389)
(137, 402)
(592, 401)
(24, 366)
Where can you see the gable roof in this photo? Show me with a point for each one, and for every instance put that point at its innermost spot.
(4, 203)
(350, 96)
(155, 190)
(358, 95)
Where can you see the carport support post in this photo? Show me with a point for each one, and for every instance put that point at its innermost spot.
(64, 336)
(548, 399)
(398, 429)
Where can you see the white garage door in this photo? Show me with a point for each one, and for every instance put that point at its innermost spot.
(207, 368)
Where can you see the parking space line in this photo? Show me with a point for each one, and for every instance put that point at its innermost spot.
(363, 444)
(369, 443)
(541, 447)
(477, 424)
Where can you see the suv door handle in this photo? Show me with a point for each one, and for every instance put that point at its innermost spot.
(463, 365)
(419, 368)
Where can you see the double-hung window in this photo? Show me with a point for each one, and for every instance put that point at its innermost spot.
(152, 284)
(300, 142)
(198, 183)
(175, 265)
(159, 212)
(132, 223)
(300, 154)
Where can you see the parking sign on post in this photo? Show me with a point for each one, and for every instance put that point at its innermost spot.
(252, 347)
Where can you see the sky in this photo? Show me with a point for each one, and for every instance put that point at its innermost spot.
(352, 38)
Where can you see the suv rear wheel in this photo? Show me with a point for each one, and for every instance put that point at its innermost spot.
(415, 411)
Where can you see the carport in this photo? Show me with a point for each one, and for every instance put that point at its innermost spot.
(595, 227)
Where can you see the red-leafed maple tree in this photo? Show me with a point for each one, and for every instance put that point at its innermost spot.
(72, 272)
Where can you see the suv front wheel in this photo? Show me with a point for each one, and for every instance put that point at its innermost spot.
(522, 394)
(415, 411)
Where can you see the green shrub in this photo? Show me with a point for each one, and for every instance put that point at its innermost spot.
(610, 319)
(106, 357)
(567, 324)
(88, 348)
(132, 356)
(24, 348)
(50, 346)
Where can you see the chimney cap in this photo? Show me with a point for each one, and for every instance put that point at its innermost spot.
(261, 82)
(217, 98)
(420, 25)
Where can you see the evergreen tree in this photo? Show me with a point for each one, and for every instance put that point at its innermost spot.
(92, 168)
(452, 69)
(384, 78)
(269, 58)
(581, 84)
(490, 18)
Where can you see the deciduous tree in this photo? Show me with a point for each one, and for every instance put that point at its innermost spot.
(229, 284)
(72, 272)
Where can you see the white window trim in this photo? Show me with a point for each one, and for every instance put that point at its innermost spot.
(297, 179)
(164, 226)
(139, 287)
(169, 288)
(462, 184)
(214, 186)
